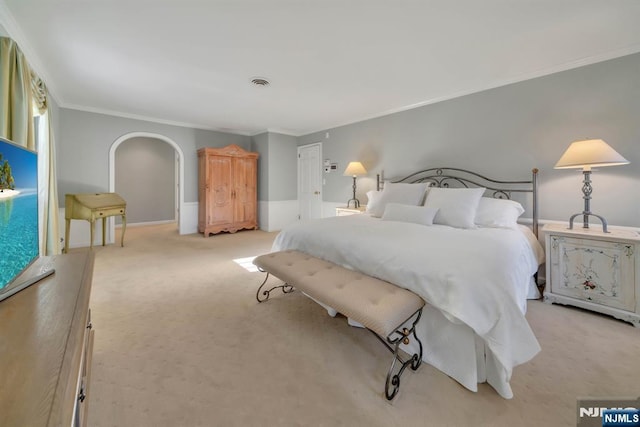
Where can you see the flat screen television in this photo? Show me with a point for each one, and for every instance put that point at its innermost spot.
(19, 246)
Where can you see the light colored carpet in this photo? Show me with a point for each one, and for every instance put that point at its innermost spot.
(181, 341)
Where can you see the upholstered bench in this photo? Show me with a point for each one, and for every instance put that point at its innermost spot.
(379, 306)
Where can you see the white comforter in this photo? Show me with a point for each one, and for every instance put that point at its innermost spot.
(478, 278)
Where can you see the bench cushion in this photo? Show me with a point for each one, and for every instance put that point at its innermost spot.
(376, 304)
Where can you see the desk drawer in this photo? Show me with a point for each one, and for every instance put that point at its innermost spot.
(103, 213)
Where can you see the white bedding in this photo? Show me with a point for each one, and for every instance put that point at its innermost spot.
(474, 281)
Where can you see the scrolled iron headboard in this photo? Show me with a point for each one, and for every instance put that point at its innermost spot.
(462, 178)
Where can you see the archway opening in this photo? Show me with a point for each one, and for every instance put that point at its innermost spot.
(148, 169)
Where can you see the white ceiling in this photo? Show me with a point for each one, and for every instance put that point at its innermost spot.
(330, 62)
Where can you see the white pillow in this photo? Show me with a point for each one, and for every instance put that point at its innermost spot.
(408, 213)
(501, 213)
(456, 206)
(373, 200)
(406, 194)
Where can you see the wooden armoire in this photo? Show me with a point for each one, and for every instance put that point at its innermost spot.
(227, 190)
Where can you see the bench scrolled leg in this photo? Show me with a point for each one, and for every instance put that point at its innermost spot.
(396, 338)
(286, 288)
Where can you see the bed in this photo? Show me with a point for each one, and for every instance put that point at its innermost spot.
(475, 278)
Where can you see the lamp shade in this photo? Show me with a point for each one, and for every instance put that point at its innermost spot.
(355, 169)
(588, 153)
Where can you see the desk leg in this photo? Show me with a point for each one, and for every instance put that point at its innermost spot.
(104, 226)
(67, 226)
(124, 228)
(92, 224)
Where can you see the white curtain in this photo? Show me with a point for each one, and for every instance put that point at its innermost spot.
(47, 188)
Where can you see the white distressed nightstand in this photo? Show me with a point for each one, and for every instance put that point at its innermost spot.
(594, 270)
(350, 211)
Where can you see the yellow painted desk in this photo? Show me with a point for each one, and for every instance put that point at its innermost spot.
(92, 206)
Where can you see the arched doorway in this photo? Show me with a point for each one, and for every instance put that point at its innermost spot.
(180, 174)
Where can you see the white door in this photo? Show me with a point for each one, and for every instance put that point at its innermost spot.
(310, 181)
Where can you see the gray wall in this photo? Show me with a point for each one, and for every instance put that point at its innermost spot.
(505, 132)
(260, 144)
(145, 172)
(85, 138)
(283, 170)
(277, 166)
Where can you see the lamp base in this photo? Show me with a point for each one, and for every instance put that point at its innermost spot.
(586, 195)
(585, 216)
(356, 203)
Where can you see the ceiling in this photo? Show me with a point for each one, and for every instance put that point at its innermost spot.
(329, 62)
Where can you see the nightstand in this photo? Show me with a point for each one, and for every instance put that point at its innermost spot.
(350, 211)
(594, 270)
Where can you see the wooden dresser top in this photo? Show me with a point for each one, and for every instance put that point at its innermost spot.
(41, 333)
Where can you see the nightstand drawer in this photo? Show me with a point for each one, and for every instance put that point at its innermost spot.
(599, 271)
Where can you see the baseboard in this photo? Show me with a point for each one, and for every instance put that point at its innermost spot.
(144, 224)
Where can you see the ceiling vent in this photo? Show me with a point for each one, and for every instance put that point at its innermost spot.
(259, 81)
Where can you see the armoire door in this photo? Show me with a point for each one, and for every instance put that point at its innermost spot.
(220, 180)
(245, 194)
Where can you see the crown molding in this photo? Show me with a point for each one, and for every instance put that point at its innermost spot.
(106, 112)
(276, 130)
(287, 132)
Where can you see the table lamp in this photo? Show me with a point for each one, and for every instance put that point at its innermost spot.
(354, 169)
(587, 154)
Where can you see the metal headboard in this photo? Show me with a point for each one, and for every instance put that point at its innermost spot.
(462, 178)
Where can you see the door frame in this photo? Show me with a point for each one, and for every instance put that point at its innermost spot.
(176, 184)
(180, 175)
(321, 177)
